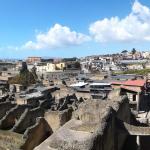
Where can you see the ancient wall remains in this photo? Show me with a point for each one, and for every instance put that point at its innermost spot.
(56, 119)
(36, 134)
(27, 119)
(93, 127)
(9, 120)
(4, 107)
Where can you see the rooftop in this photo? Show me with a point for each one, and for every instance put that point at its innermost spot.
(79, 84)
(139, 83)
(133, 89)
(123, 77)
(133, 61)
(100, 84)
(34, 95)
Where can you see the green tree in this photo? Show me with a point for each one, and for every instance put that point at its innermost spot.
(33, 71)
(24, 68)
(124, 51)
(133, 51)
(25, 77)
(77, 65)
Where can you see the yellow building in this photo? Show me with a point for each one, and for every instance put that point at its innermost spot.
(50, 67)
(60, 66)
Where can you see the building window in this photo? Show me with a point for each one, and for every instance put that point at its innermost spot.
(134, 97)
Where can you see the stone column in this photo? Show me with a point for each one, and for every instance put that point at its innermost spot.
(138, 142)
(138, 101)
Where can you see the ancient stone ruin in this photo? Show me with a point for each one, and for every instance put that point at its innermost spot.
(99, 125)
(26, 125)
(69, 123)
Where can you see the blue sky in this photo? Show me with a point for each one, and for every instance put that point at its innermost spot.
(67, 28)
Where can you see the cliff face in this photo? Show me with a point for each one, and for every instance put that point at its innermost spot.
(93, 127)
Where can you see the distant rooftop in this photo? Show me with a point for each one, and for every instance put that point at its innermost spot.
(133, 61)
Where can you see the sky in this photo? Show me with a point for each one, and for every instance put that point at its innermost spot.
(72, 28)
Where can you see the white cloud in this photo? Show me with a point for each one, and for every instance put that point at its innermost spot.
(135, 27)
(57, 36)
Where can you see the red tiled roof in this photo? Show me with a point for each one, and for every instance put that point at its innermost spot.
(134, 89)
(117, 82)
(135, 82)
(139, 83)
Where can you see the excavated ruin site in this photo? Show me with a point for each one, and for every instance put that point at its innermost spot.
(70, 123)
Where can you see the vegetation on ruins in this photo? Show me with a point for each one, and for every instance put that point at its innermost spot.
(25, 77)
(10, 140)
(138, 72)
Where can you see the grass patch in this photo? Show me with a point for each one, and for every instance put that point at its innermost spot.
(10, 140)
(138, 72)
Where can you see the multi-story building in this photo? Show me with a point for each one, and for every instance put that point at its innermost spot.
(33, 60)
(146, 55)
(50, 67)
(71, 63)
(100, 90)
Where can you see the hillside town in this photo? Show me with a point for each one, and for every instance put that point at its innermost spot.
(126, 60)
(76, 103)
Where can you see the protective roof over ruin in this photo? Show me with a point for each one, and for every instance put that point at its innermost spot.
(34, 95)
(100, 84)
(79, 84)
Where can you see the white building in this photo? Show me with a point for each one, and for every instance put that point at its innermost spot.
(146, 54)
(45, 67)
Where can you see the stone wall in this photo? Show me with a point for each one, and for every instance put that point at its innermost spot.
(8, 121)
(83, 95)
(56, 119)
(27, 119)
(124, 114)
(34, 102)
(4, 107)
(46, 104)
(36, 134)
(108, 137)
(93, 127)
